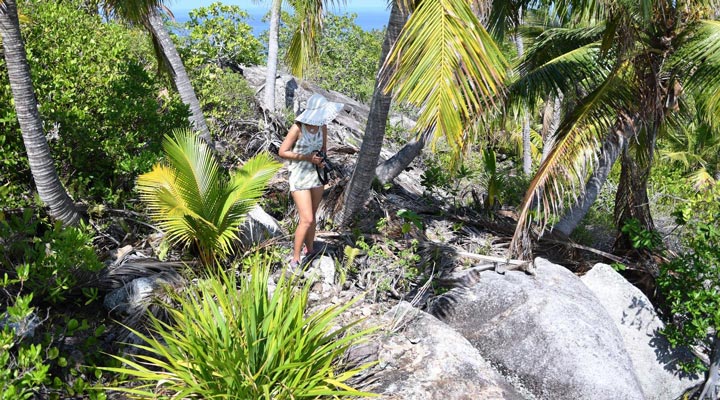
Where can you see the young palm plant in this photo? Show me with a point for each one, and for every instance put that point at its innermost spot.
(194, 202)
(246, 343)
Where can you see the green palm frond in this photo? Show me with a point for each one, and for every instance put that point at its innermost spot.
(446, 64)
(577, 11)
(556, 42)
(193, 202)
(578, 68)
(701, 55)
(560, 178)
(302, 50)
(134, 11)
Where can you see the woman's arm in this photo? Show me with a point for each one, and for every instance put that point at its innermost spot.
(285, 150)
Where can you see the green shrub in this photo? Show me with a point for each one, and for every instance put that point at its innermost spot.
(348, 56)
(219, 35)
(691, 286)
(46, 259)
(195, 202)
(99, 99)
(244, 343)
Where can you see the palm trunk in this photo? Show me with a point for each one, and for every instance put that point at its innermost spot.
(396, 164)
(526, 147)
(358, 189)
(179, 75)
(712, 384)
(272, 59)
(631, 199)
(553, 123)
(608, 155)
(48, 184)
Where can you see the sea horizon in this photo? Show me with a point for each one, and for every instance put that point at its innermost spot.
(367, 19)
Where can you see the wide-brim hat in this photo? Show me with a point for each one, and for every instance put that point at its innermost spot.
(319, 111)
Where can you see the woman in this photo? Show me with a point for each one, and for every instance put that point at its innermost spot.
(307, 135)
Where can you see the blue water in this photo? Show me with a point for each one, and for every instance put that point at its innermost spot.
(367, 20)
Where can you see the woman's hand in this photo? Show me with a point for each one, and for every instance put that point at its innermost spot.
(315, 159)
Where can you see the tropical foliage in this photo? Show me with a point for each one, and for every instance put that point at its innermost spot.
(348, 56)
(261, 344)
(690, 284)
(195, 202)
(218, 35)
(103, 119)
(633, 65)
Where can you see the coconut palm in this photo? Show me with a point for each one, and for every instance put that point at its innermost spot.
(149, 14)
(48, 184)
(163, 42)
(302, 50)
(629, 65)
(443, 62)
(272, 59)
(194, 202)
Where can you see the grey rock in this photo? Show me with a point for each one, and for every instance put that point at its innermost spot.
(548, 331)
(259, 226)
(22, 329)
(426, 360)
(321, 269)
(635, 317)
(134, 295)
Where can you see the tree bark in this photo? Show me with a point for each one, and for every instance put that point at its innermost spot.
(396, 164)
(358, 188)
(48, 184)
(526, 145)
(272, 59)
(609, 153)
(710, 390)
(631, 199)
(553, 123)
(179, 76)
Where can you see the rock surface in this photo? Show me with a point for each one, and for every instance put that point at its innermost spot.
(423, 359)
(548, 330)
(259, 226)
(654, 361)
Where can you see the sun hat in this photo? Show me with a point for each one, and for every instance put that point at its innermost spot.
(319, 111)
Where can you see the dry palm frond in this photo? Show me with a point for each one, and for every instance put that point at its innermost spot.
(561, 176)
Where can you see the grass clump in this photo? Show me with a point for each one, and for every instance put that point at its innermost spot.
(230, 338)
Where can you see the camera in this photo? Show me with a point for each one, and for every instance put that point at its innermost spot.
(328, 167)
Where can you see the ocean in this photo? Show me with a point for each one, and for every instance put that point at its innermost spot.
(366, 19)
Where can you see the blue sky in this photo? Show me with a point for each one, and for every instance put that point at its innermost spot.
(357, 6)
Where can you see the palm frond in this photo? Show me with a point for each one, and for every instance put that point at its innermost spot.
(446, 64)
(197, 171)
(556, 42)
(579, 68)
(134, 11)
(193, 202)
(561, 177)
(302, 50)
(247, 186)
(701, 56)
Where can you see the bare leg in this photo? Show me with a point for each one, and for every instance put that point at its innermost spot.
(316, 194)
(304, 204)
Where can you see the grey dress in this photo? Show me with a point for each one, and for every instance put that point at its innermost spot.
(303, 175)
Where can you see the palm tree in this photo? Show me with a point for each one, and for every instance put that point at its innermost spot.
(444, 63)
(194, 202)
(149, 14)
(163, 42)
(629, 71)
(48, 184)
(302, 50)
(272, 59)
